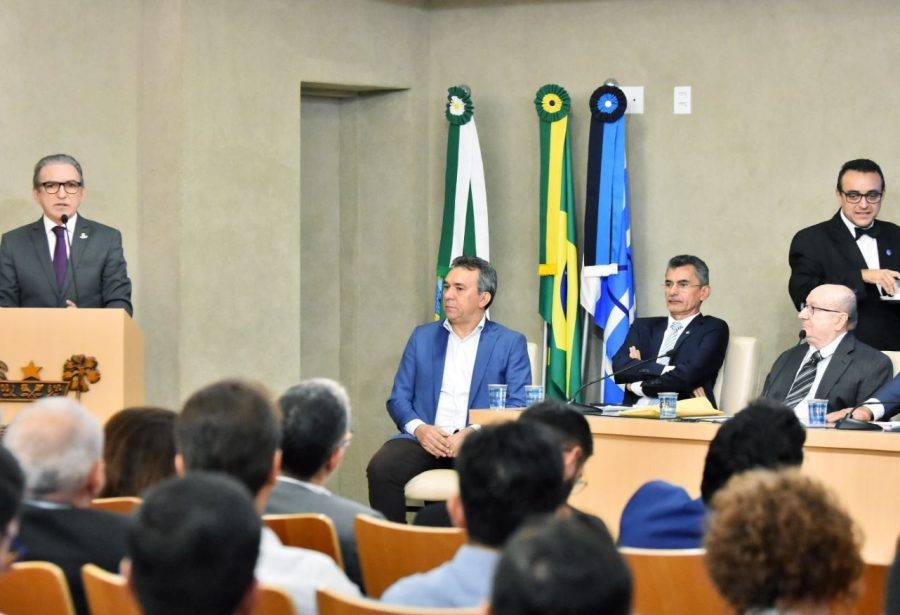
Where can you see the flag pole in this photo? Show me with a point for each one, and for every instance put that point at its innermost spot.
(544, 360)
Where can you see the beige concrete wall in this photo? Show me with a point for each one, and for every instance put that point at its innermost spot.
(784, 93)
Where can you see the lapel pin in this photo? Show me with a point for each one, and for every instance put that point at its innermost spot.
(888, 252)
(82, 236)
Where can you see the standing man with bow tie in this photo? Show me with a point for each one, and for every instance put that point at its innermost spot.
(63, 259)
(856, 250)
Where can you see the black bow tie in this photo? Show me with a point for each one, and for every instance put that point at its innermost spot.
(872, 231)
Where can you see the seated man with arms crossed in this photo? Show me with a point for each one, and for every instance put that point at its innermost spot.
(316, 433)
(445, 371)
(193, 546)
(507, 473)
(697, 343)
(833, 365)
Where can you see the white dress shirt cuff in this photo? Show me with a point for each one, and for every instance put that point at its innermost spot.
(412, 426)
(876, 407)
(668, 368)
(636, 388)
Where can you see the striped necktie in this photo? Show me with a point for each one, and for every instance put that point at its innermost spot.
(669, 341)
(803, 382)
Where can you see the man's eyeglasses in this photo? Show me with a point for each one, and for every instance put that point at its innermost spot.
(872, 196)
(71, 187)
(813, 309)
(682, 284)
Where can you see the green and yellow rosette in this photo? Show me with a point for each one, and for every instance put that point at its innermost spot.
(459, 106)
(552, 102)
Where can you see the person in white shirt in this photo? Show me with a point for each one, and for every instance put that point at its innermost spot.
(232, 427)
(857, 250)
(833, 364)
(445, 371)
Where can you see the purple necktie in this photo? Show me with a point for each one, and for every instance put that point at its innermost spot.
(60, 258)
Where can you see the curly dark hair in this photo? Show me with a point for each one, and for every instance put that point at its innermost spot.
(780, 539)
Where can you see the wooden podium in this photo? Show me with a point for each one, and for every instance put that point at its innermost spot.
(51, 338)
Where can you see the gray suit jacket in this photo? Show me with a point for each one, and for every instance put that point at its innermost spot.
(100, 273)
(289, 498)
(855, 371)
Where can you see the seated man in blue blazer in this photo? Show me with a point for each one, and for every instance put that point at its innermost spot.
(696, 343)
(884, 405)
(445, 371)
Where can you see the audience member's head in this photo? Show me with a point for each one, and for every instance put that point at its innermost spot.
(59, 446)
(507, 473)
(316, 428)
(573, 432)
(765, 434)
(12, 487)
(566, 566)
(232, 427)
(193, 546)
(779, 540)
(139, 450)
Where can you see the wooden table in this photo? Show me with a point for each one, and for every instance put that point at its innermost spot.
(861, 468)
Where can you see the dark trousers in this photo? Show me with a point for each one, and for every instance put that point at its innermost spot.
(389, 470)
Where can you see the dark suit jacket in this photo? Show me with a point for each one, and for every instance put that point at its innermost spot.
(700, 352)
(854, 372)
(502, 358)
(72, 537)
(826, 253)
(290, 498)
(889, 396)
(100, 278)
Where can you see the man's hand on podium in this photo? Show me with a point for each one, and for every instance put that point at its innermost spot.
(70, 304)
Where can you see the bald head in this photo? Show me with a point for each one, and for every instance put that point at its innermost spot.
(59, 446)
(830, 311)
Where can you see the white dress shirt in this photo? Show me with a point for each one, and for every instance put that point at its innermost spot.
(636, 386)
(867, 244)
(51, 236)
(801, 409)
(459, 363)
(299, 572)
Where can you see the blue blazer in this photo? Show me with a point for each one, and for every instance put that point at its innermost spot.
(889, 395)
(502, 358)
(700, 353)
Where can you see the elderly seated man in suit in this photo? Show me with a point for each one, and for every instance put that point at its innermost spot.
(693, 344)
(315, 436)
(833, 364)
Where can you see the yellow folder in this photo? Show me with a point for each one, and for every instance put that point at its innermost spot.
(693, 407)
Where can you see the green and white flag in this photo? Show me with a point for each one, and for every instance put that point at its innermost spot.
(465, 225)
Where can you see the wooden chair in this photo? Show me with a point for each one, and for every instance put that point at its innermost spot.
(870, 600)
(390, 551)
(331, 603)
(123, 505)
(35, 587)
(672, 581)
(107, 593)
(309, 531)
(273, 601)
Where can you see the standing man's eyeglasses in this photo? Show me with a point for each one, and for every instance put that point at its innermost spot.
(71, 187)
(872, 196)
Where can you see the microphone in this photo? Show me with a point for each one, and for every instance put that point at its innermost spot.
(802, 336)
(852, 424)
(65, 219)
(670, 353)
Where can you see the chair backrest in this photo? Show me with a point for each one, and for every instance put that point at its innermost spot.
(894, 356)
(35, 587)
(870, 600)
(107, 593)
(535, 363)
(331, 603)
(672, 581)
(273, 601)
(309, 531)
(390, 551)
(123, 505)
(736, 383)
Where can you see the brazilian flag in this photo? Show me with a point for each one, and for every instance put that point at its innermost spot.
(558, 303)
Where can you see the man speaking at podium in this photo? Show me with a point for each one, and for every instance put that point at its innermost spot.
(63, 259)
(445, 370)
